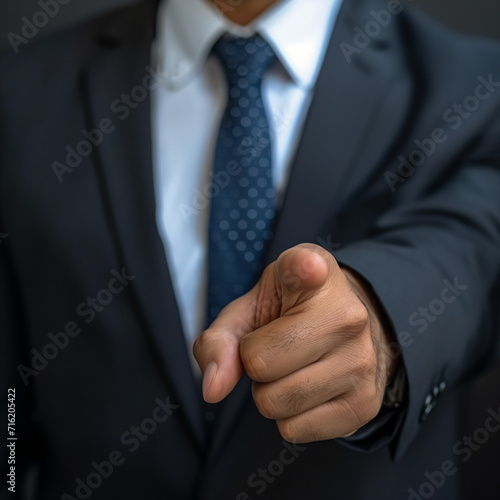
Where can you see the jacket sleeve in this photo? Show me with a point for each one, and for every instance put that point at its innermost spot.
(434, 264)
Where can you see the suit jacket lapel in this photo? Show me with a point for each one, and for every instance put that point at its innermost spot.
(124, 161)
(342, 144)
(357, 112)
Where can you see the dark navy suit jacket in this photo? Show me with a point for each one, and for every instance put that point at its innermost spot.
(397, 173)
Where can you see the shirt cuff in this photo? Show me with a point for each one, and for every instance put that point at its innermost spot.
(376, 433)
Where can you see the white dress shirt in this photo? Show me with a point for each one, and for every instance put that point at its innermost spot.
(186, 113)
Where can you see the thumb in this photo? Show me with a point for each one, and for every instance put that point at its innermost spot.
(217, 349)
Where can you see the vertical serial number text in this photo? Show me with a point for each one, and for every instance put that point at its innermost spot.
(11, 440)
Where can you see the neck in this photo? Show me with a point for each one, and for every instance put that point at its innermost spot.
(242, 12)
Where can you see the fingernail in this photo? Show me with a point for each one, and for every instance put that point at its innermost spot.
(209, 377)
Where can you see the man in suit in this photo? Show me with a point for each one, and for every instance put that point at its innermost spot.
(361, 165)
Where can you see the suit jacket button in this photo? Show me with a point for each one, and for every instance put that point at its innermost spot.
(425, 413)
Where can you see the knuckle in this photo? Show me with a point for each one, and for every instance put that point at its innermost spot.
(356, 315)
(198, 346)
(352, 317)
(265, 402)
(210, 342)
(254, 364)
(365, 361)
(289, 431)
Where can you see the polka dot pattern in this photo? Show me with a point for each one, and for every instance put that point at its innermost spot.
(242, 211)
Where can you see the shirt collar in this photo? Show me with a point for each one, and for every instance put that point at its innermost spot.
(298, 31)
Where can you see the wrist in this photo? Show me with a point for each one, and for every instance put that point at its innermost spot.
(383, 336)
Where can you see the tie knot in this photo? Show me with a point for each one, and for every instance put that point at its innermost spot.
(245, 60)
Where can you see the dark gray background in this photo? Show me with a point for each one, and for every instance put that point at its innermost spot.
(470, 16)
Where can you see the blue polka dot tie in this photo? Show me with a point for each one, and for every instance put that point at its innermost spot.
(243, 195)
